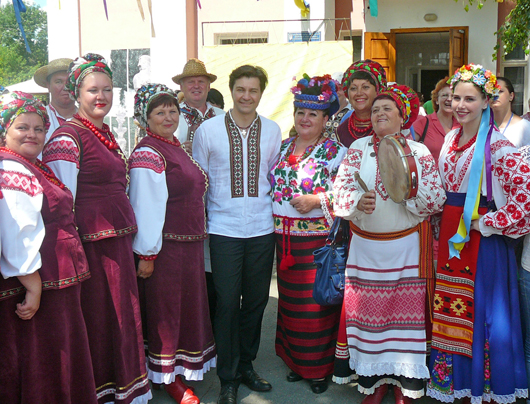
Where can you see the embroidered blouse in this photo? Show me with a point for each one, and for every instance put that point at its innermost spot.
(238, 199)
(388, 216)
(314, 175)
(510, 184)
(22, 229)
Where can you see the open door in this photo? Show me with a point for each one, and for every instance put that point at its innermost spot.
(381, 48)
(457, 49)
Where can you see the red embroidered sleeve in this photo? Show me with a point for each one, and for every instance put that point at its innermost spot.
(147, 159)
(61, 149)
(17, 181)
(345, 187)
(431, 195)
(514, 176)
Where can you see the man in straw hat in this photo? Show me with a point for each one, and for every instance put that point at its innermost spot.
(237, 151)
(53, 76)
(194, 82)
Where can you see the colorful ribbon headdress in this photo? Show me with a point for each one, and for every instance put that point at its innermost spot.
(325, 86)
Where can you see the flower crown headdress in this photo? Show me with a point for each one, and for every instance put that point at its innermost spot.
(478, 75)
(327, 93)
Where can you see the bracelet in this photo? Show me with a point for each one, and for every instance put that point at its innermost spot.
(148, 257)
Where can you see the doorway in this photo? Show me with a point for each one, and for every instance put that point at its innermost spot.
(422, 59)
(418, 57)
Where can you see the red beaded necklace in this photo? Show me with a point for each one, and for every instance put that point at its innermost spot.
(454, 146)
(293, 159)
(43, 168)
(359, 128)
(111, 144)
(174, 142)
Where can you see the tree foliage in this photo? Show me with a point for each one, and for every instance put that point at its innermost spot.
(515, 30)
(16, 64)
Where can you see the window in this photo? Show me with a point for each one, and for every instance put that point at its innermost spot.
(238, 38)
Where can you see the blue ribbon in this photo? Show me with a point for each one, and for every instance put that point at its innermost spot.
(475, 176)
(21, 8)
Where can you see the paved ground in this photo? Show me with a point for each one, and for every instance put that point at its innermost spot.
(274, 370)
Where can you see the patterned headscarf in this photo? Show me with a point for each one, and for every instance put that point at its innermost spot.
(81, 67)
(326, 98)
(15, 103)
(143, 98)
(374, 69)
(482, 78)
(406, 100)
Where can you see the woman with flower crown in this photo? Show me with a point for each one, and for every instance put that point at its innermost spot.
(362, 81)
(167, 195)
(390, 267)
(84, 154)
(43, 338)
(477, 348)
(302, 186)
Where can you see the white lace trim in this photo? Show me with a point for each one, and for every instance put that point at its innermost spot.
(345, 380)
(323, 204)
(406, 392)
(458, 394)
(168, 378)
(413, 371)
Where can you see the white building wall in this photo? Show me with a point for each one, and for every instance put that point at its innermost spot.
(395, 14)
(226, 12)
(63, 30)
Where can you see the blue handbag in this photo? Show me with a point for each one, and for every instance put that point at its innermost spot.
(330, 260)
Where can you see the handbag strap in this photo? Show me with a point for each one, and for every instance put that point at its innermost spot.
(424, 131)
(333, 231)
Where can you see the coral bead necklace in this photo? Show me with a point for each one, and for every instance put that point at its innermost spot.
(174, 142)
(454, 146)
(111, 144)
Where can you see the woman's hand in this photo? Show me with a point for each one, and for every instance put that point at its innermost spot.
(305, 203)
(475, 224)
(145, 269)
(33, 284)
(187, 146)
(367, 202)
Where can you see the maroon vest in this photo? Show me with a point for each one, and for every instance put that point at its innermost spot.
(102, 207)
(63, 259)
(186, 184)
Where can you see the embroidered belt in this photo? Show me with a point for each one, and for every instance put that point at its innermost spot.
(303, 226)
(109, 233)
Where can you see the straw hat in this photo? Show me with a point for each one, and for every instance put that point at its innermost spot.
(56, 65)
(193, 68)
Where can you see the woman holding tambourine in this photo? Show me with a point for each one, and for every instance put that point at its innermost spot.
(386, 277)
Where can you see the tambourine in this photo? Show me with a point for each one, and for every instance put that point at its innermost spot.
(397, 167)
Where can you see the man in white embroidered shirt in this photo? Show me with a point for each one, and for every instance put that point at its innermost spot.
(237, 151)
